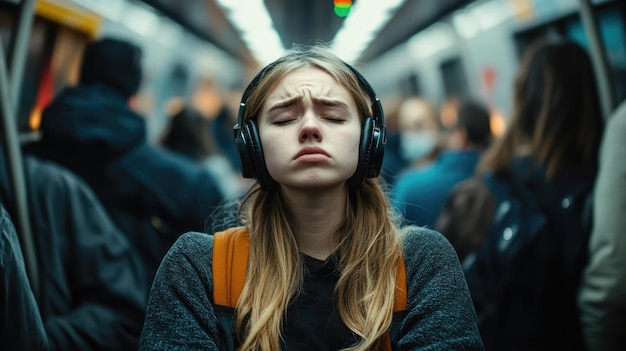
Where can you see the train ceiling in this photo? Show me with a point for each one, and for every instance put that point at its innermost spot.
(302, 22)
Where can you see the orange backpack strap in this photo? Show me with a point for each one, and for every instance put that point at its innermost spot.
(230, 265)
(400, 298)
(401, 289)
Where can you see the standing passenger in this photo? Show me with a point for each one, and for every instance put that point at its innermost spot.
(416, 141)
(21, 327)
(152, 195)
(190, 134)
(530, 246)
(421, 192)
(91, 292)
(602, 298)
(324, 250)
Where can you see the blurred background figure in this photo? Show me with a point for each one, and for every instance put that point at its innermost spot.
(221, 132)
(421, 192)
(91, 292)
(190, 134)
(527, 214)
(417, 140)
(21, 327)
(419, 127)
(602, 298)
(216, 104)
(152, 195)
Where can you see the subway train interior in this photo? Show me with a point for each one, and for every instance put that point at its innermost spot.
(205, 52)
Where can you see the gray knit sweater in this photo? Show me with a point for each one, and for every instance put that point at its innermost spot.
(440, 315)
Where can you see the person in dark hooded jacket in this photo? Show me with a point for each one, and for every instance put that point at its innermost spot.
(537, 180)
(91, 290)
(152, 195)
(21, 326)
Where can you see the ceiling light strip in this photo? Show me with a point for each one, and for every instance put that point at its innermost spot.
(256, 28)
(366, 19)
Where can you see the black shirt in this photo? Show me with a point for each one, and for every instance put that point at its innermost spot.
(313, 321)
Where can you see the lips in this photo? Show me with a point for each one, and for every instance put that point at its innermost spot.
(311, 150)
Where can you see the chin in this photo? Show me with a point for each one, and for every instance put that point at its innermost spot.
(314, 184)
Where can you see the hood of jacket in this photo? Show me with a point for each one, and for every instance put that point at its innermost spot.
(94, 117)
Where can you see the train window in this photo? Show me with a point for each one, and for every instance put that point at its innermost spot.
(179, 78)
(454, 78)
(38, 60)
(7, 15)
(612, 26)
(612, 29)
(409, 86)
(37, 57)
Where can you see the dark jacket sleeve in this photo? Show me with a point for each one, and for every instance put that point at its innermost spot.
(440, 314)
(21, 327)
(106, 303)
(180, 313)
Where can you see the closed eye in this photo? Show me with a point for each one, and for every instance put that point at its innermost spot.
(282, 122)
(335, 120)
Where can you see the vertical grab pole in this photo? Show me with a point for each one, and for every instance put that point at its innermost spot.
(598, 58)
(18, 53)
(9, 102)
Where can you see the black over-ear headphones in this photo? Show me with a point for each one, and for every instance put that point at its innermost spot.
(371, 150)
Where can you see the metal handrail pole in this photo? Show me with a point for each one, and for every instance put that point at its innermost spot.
(598, 58)
(18, 55)
(8, 99)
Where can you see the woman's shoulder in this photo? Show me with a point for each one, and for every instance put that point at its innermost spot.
(195, 246)
(192, 244)
(197, 240)
(414, 237)
(425, 245)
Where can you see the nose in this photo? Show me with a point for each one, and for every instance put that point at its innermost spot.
(310, 130)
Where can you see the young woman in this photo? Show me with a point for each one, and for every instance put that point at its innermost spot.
(324, 248)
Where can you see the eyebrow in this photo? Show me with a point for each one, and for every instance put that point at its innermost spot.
(284, 103)
(317, 101)
(330, 103)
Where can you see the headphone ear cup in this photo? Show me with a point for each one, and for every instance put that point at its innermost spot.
(245, 154)
(255, 150)
(365, 153)
(377, 151)
(365, 150)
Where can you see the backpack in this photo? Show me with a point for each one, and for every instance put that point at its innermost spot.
(524, 276)
(230, 263)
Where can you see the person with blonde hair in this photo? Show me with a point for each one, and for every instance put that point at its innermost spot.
(324, 248)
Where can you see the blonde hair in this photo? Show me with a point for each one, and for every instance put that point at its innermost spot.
(366, 245)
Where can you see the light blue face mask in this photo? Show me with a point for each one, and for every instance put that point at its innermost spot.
(415, 145)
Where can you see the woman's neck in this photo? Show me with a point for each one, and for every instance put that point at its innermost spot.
(317, 215)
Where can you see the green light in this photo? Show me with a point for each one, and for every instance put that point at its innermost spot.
(342, 10)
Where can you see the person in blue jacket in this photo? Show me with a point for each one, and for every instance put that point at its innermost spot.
(421, 193)
(151, 194)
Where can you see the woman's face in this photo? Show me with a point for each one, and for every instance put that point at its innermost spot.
(310, 131)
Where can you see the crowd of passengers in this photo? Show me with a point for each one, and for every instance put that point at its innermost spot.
(108, 204)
